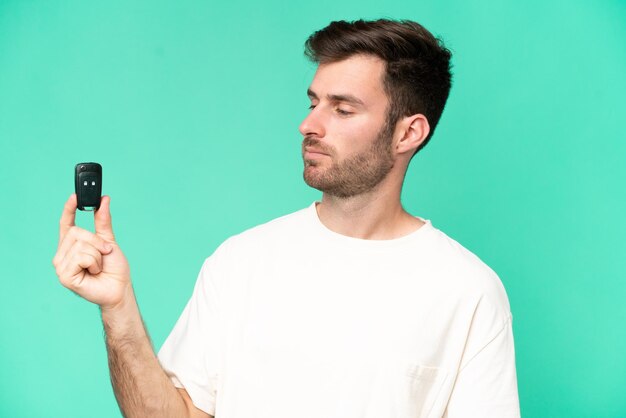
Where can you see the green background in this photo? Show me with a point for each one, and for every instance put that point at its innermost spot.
(193, 108)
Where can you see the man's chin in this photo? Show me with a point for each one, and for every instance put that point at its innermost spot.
(312, 179)
(312, 170)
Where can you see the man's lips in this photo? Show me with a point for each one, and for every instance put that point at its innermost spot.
(313, 153)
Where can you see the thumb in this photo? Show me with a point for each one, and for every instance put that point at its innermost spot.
(102, 220)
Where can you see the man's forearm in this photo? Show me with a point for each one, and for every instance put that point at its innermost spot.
(141, 387)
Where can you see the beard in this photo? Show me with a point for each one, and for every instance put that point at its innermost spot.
(356, 174)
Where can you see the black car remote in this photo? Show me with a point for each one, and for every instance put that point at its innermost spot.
(88, 183)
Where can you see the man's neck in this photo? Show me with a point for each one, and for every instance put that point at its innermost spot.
(369, 216)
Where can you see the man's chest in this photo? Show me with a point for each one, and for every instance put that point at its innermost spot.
(364, 340)
(317, 315)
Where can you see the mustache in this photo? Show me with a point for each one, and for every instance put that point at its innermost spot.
(317, 144)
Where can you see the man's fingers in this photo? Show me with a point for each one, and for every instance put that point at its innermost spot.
(68, 216)
(102, 219)
(86, 253)
(91, 262)
(76, 234)
(71, 272)
(84, 260)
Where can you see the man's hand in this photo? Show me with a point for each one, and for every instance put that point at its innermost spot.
(91, 265)
(101, 275)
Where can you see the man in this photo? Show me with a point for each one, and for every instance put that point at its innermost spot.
(348, 308)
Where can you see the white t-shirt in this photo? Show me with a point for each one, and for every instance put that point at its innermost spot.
(292, 320)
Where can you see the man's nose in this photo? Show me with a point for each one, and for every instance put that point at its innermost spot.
(313, 124)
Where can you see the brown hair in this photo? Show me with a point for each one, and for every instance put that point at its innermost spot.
(417, 71)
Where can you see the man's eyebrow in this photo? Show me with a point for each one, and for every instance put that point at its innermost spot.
(348, 98)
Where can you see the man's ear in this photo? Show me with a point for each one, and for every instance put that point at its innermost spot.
(413, 130)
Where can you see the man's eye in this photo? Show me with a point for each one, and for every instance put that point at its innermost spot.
(340, 111)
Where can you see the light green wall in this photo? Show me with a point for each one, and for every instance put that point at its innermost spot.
(193, 108)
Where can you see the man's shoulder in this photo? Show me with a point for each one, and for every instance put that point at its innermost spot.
(457, 255)
(468, 272)
(259, 241)
(278, 228)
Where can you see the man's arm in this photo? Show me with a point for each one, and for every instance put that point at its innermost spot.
(94, 267)
(141, 387)
(194, 412)
(486, 386)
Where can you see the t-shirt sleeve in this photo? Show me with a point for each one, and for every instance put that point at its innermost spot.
(190, 354)
(486, 385)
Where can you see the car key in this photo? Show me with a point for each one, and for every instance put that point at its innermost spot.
(88, 184)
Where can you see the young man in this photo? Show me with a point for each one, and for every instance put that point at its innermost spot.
(349, 308)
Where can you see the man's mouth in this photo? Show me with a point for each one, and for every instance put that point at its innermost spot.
(312, 153)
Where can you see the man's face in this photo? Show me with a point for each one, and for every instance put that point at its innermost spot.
(347, 142)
